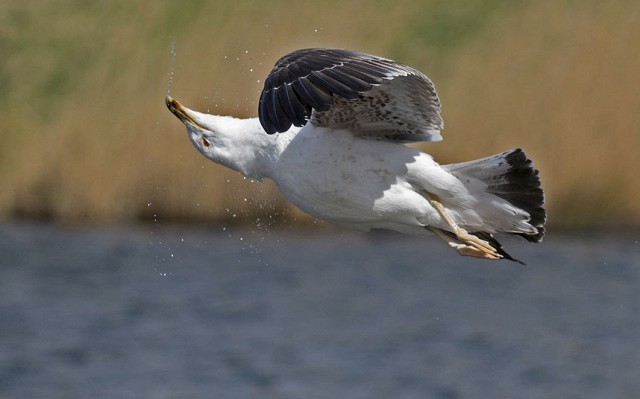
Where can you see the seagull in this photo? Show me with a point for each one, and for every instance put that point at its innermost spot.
(331, 132)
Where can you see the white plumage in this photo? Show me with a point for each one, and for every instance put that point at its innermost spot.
(348, 164)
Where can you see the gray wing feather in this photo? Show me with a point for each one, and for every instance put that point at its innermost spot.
(373, 97)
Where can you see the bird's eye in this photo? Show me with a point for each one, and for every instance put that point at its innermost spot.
(206, 143)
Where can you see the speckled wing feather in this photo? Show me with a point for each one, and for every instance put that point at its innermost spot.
(373, 97)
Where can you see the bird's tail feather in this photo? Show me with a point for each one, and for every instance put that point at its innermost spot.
(512, 177)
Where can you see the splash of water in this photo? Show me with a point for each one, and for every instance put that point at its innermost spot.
(172, 66)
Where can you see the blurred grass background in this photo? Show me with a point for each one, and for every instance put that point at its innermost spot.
(86, 137)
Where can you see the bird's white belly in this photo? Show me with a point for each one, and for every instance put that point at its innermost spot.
(346, 180)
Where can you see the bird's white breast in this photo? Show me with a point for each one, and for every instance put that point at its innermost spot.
(340, 178)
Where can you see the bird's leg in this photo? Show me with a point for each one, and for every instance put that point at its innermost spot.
(464, 249)
(472, 245)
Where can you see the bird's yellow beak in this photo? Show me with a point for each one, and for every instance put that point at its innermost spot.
(181, 112)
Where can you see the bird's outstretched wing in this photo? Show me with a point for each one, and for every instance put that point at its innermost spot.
(372, 97)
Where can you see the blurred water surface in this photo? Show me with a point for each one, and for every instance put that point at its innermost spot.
(153, 312)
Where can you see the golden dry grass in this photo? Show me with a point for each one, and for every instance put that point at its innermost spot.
(87, 138)
(562, 82)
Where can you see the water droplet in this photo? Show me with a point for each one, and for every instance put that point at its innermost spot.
(172, 67)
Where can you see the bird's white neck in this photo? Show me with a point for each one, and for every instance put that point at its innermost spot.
(242, 145)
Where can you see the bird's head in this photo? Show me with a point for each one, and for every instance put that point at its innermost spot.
(201, 127)
(232, 142)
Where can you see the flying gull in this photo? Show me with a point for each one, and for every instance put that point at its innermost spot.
(330, 133)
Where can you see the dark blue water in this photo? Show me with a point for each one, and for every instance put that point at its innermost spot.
(167, 313)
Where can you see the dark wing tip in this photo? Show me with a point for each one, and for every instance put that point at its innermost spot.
(309, 78)
(263, 116)
(497, 246)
